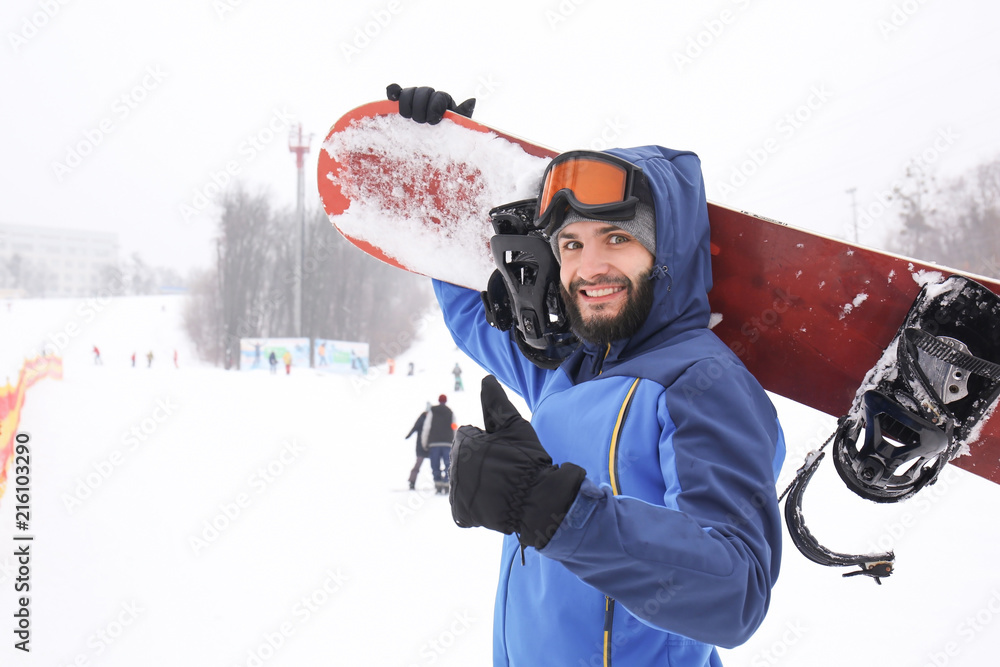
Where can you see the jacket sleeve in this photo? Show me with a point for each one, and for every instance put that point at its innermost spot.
(426, 431)
(703, 565)
(490, 348)
(416, 427)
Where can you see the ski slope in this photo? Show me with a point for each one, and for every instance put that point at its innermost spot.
(192, 516)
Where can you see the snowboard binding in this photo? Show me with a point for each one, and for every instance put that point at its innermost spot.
(918, 408)
(523, 293)
(918, 412)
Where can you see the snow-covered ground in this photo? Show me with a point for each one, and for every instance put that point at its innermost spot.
(191, 516)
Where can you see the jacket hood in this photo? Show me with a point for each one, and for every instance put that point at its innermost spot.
(682, 272)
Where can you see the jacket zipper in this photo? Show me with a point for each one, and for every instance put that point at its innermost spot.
(609, 602)
(609, 619)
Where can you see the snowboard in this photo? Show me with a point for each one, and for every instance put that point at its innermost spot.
(809, 315)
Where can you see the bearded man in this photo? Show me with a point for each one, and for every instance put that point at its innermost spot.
(639, 504)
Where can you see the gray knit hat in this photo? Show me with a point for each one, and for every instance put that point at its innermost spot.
(642, 226)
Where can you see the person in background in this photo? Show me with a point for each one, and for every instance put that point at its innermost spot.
(437, 434)
(422, 452)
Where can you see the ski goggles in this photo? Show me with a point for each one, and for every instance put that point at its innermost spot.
(594, 184)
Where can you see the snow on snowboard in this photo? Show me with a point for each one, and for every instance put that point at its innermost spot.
(820, 321)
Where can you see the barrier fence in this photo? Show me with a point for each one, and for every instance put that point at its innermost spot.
(12, 400)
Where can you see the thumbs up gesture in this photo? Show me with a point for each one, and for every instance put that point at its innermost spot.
(503, 479)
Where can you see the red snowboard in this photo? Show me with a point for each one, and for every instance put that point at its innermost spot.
(808, 315)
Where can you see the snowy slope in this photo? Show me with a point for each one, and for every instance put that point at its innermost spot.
(198, 517)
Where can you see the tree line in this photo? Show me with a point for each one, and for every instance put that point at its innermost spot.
(955, 223)
(250, 292)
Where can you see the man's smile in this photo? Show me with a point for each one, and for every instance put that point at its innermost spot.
(598, 292)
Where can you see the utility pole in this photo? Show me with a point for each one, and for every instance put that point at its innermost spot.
(854, 213)
(300, 148)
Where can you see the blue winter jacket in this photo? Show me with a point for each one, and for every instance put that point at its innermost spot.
(673, 543)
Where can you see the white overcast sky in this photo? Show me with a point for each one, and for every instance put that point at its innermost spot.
(116, 114)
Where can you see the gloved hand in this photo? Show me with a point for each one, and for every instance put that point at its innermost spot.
(426, 105)
(502, 478)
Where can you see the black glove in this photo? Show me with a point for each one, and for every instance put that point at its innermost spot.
(426, 105)
(502, 478)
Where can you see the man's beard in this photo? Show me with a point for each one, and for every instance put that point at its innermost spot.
(603, 329)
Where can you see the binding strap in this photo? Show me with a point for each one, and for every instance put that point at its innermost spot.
(872, 565)
(930, 344)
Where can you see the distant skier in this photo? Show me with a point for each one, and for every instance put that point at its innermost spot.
(321, 353)
(410, 369)
(287, 358)
(437, 434)
(422, 453)
(97, 357)
(133, 359)
(149, 359)
(175, 359)
(273, 361)
(358, 363)
(457, 372)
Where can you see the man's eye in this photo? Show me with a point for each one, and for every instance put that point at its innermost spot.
(572, 245)
(619, 238)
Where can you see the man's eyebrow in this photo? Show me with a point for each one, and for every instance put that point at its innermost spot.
(606, 229)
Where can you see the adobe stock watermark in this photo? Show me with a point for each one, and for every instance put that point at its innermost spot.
(121, 109)
(301, 612)
(31, 25)
(439, 645)
(229, 512)
(365, 34)
(610, 134)
(131, 440)
(8, 569)
(786, 127)
(223, 8)
(415, 501)
(102, 639)
(779, 649)
(56, 342)
(900, 15)
(562, 12)
(318, 254)
(975, 624)
(646, 611)
(485, 87)
(393, 349)
(218, 179)
(711, 30)
(872, 212)
(914, 510)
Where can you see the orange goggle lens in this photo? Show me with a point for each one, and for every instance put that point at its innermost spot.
(592, 182)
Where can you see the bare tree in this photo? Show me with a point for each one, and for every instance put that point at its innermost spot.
(346, 295)
(244, 254)
(22, 273)
(972, 230)
(957, 224)
(918, 237)
(203, 317)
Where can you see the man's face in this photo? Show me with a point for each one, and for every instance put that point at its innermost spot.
(604, 275)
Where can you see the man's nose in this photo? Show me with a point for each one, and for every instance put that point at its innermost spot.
(593, 262)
